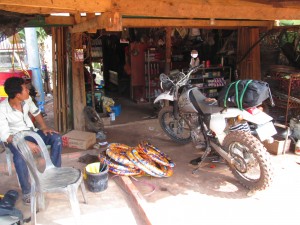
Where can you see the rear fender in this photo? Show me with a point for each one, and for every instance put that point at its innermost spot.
(259, 118)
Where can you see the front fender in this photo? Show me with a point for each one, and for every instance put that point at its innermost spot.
(164, 96)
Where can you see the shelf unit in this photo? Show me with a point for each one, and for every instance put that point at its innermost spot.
(94, 54)
(154, 66)
(211, 79)
(285, 92)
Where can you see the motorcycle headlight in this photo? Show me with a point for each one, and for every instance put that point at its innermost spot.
(167, 85)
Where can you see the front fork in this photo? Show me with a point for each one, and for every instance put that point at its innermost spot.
(175, 110)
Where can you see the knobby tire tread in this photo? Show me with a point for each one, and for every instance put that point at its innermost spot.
(261, 155)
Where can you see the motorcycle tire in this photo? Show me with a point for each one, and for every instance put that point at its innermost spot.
(250, 156)
(182, 134)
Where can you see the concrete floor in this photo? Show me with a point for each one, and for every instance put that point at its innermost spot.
(212, 196)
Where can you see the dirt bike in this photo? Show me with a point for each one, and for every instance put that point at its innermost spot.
(236, 134)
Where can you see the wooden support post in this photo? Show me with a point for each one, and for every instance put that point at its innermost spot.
(63, 81)
(79, 94)
(54, 79)
(168, 50)
(249, 68)
(168, 55)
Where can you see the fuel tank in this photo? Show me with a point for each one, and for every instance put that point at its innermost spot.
(193, 101)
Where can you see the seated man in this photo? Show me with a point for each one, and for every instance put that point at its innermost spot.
(14, 117)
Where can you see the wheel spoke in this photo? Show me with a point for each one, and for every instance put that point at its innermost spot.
(176, 128)
(245, 162)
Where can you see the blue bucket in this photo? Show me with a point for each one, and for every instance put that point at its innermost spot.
(116, 109)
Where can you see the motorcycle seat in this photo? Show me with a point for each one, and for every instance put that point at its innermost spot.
(200, 103)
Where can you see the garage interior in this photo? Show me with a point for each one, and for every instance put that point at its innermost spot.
(124, 27)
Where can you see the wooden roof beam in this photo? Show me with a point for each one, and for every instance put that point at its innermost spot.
(157, 8)
(110, 21)
(96, 23)
(216, 24)
(204, 9)
(61, 5)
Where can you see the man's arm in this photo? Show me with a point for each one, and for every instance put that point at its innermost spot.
(39, 119)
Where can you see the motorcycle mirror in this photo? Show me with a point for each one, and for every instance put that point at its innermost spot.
(163, 77)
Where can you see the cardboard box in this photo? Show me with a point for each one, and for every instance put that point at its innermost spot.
(79, 139)
(276, 147)
(105, 118)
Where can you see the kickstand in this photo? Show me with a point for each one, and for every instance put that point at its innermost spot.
(201, 159)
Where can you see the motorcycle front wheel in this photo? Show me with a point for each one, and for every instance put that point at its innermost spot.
(176, 129)
(252, 163)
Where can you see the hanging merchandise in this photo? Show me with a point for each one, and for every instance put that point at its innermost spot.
(182, 31)
(107, 103)
(194, 32)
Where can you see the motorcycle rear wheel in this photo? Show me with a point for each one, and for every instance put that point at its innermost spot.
(177, 130)
(252, 165)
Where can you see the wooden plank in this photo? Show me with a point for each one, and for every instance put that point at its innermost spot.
(111, 21)
(150, 22)
(249, 68)
(78, 85)
(54, 78)
(155, 8)
(98, 23)
(33, 10)
(88, 17)
(59, 75)
(255, 54)
(219, 24)
(168, 50)
(60, 20)
(66, 5)
(91, 24)
(63, 82)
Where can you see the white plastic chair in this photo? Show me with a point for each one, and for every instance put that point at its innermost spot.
(51, 179)
(8, 157)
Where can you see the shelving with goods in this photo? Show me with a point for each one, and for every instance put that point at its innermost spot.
(284, 83)
(154, 66)
(93, 72)
(211, 79)
(96, 49)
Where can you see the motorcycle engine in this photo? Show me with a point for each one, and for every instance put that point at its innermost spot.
(196, 132)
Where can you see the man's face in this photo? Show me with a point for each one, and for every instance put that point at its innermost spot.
(24, 95)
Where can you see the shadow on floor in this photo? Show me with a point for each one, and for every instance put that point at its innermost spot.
(131, 111)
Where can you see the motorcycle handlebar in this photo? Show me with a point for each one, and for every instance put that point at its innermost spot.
(182, 80)
(191, 70)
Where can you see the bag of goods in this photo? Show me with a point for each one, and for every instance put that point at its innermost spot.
(244, 94)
